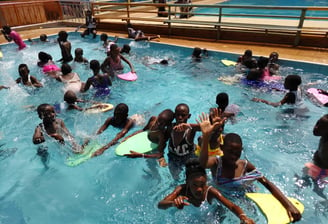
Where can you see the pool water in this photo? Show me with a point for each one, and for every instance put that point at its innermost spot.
(269, 3)
(112, 189)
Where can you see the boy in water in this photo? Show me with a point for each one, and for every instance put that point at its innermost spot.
(90, 23)
(157, 133)
(79, 56)
(119, 120)
(195, 191)
(53, 127)
(232, 175)
(65, 47)
(25, 78)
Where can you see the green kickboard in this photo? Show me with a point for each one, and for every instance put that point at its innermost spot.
(77, 159)
(139, 143)
(274, 211)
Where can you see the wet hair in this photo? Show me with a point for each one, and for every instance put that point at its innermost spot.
(122, 108)
(63, 35)
(274, 54)
(113, 47)
(168, 114)
(262, 62)
(232, 138)
(222, 100)
(70, 97)
(94, 65)
(193, 168)
(43, 37)
(22, 66)
(7, 29)
(44, 57)
(182, 105)
(78, 51)
(248, 53)
(292, 82)
(40, 109)
(66, 68)
(126, 49)
(164, 62)
(103, 37)
(196, 52)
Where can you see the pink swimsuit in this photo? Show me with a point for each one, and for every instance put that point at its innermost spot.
(17, 39)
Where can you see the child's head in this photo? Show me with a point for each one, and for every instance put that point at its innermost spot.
(66, 68)
(126, 49)
(63, 35)
(103, 37)
(164, 62)
(121, 112)
(44, 57)
(23, 70)
(43, 37)
(262, 62)
(114, 48)
(274, 56)
(321, 127)
(292, 82)
(70, 97)
(78, 52)
(248, 53)
(232, 147)
(94, 65)
(6, 29)
(195, 178)
(46, 112)
(88, 13)
(165, 118)
(222, 100)
(196, 52)
(181, 113)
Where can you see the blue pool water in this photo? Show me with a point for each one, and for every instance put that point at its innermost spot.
(269, 3)
(112, 189)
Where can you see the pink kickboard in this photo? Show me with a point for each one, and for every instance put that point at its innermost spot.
(321, 98)
(129, 76)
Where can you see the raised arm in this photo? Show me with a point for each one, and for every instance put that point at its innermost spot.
(128, 62)
(38, 137)
(174, 199)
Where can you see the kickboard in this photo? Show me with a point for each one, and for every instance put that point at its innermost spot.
(130, 76)
(99, 108)
(77, 159)
(139, 143)
(228, 62)
(317, 97)
(274, 211)
(1, 55)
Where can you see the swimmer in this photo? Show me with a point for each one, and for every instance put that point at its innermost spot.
(79, 56)
(25, 78)
(12, 35)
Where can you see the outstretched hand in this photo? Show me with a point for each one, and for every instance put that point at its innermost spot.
(294, 214)
(205, 124)
(179, 202)
(133, 154)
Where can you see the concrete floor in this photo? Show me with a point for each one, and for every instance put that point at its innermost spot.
(285, 52)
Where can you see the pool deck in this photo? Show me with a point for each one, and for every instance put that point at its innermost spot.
(313, 55)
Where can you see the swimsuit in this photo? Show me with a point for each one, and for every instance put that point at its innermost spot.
(115, 65)
(316, 172)
(102, 89)
(17, 39)
(73, 84)
(211, 152)
(236, 186)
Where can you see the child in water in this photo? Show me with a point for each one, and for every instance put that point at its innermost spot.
(90, 23)
(79, 56)
(233, 175)
(65, 47)
(294, 96)
(53, 127)
(25, 78)
(195, 191)
(318, 170)
(157, 133)
(12, 35)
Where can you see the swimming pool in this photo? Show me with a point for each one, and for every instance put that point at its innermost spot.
(111, 189)
(269, 3)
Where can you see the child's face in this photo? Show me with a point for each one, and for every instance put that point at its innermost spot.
(197, 185)
(232, 151)
(182, 114)
(23, 72)
(321, 127)
(49, 113)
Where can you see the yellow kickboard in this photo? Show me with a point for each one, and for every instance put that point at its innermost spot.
(228, 62)
(274, 211)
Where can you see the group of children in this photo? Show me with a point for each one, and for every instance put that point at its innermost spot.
(217, 151)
